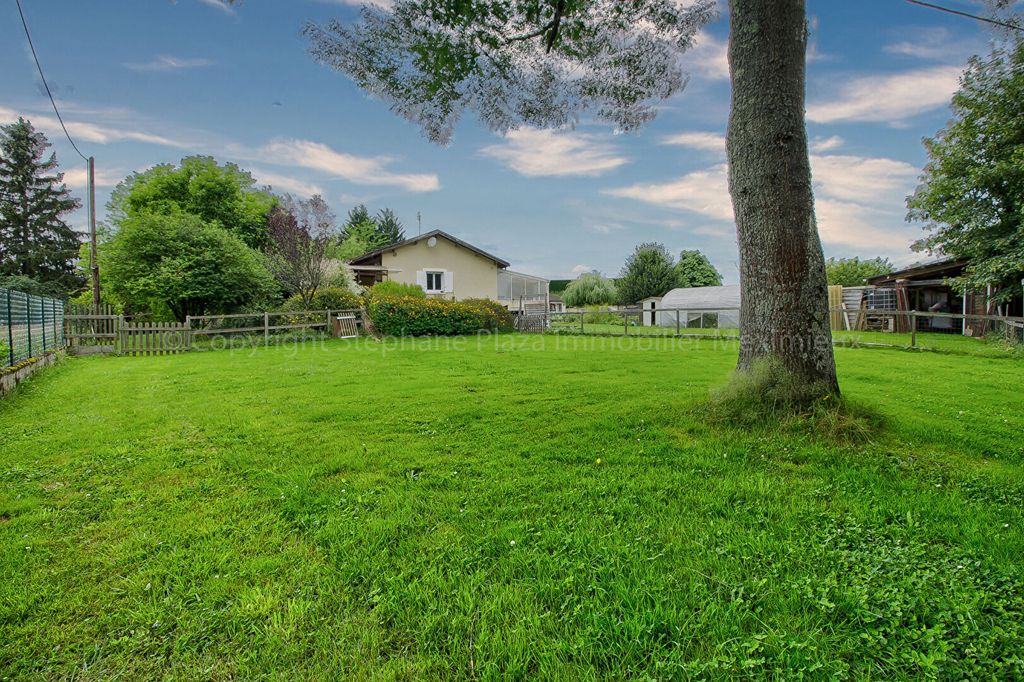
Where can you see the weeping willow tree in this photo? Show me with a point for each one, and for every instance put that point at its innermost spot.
(545, 63)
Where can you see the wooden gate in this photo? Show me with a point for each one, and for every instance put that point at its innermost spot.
(91, 328)
(154, 338)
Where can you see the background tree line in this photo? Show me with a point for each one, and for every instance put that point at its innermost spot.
(187, 239)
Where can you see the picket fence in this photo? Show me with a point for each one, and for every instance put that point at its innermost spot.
(154, 338)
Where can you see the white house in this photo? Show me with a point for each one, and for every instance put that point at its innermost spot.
(447, 267)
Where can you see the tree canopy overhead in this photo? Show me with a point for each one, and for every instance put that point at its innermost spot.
(515, 62)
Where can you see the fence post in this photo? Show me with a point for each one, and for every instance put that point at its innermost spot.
(625, 324)
(42, 318)
(581, 323)
(28, 322)
(10, 331)
(913, 328)
(266, 329)
(678, 329)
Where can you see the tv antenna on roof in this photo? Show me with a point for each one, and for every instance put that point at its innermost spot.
(419, 223)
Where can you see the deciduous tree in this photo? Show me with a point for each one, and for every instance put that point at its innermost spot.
(222, 194)
(302, 232)
(784, 294)
(649, 271)
(178, 261)
(544, 62)
(695, 270)
(971, 197)
(590, 289)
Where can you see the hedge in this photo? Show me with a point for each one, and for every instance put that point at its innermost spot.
(408, 316)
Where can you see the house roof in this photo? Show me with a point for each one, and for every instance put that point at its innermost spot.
(947, 267)
(427, 235)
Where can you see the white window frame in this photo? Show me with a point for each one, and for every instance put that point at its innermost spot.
(439, 275)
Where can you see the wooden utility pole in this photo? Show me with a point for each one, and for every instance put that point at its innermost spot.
(93, 261)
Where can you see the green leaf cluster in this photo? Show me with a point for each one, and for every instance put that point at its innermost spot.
(971, 198)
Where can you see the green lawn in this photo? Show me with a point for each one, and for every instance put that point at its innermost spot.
(524, 506)
(949, 343)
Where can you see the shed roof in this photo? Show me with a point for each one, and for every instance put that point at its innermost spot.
(937, 269)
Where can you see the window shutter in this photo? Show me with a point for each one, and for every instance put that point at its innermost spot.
(449, 282)
(421, 279)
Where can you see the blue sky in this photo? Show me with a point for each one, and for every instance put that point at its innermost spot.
(141, 83)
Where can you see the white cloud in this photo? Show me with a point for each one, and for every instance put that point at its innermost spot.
(285, 183)
(858, 200)
(167, 62)
(889, 98)
(581, 269)
(92, 132)
(856, 226)
(605, 227)
(826, 144)
(704, 191)
(537, 152)
(77, 178)
(360, 170)
(861, 179)
(709, 142)
(221, 5)
(935, 43)
(708, 58)
(296, 153)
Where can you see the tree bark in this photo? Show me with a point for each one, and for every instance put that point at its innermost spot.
(784, 291)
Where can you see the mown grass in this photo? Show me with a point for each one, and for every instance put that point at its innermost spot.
(947, 343)
(520, 507)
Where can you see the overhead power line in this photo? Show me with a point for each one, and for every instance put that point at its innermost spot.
(32, 47)
(957, 12)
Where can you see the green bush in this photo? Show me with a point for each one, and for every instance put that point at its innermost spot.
(328, 298)
(389, 288)
(600, 315)
(496, 317)
(410, 316)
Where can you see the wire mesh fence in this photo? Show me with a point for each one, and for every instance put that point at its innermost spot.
(29, 326)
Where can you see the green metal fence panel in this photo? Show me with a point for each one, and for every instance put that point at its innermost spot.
(30, 326)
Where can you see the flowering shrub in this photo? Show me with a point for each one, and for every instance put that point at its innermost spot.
(496, 317)
(409, 316)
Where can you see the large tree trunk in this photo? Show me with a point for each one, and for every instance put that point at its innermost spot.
(784, 308)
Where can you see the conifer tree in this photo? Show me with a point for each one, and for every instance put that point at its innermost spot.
(35, 240)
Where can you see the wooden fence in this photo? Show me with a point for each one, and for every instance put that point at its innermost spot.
(154, 338)
(265, 323)
(87, 325)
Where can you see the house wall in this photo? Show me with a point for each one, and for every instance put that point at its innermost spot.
(473, 276)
